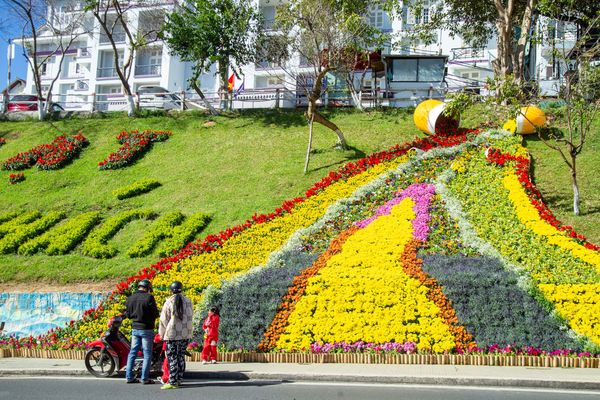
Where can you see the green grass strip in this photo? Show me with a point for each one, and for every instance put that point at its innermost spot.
(136, 188)
(96, 244)
(23, 233)
(15, 223)
(64, 238)
(184, 233)
(162, 228)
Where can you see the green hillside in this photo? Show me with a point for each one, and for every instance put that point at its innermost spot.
(245, 164)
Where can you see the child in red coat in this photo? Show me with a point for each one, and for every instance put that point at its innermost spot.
(211, 336)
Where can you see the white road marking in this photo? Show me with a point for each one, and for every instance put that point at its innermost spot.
(345, 384)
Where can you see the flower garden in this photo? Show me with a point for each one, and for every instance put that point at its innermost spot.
(438, 246)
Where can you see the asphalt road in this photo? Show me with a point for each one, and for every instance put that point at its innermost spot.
(76, 388)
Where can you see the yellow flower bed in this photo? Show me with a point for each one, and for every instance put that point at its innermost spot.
(579, 304)
(364, 294)
(253, 246)
(530, 217)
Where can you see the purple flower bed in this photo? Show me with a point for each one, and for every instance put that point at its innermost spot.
(249, 305)
(493, 308)
(362, 347)
(421, 193)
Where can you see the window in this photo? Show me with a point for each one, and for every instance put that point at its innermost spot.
(405, 70)
(375, 16)
(418, 70)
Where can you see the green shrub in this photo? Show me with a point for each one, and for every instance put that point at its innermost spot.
(96, 244)
(184, 233)
(162, 228)
(7, 216)
(63, 238)
(14, 223)
(23, 233)
(136, 188)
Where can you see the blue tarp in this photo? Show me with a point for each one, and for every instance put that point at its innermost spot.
(36, 313)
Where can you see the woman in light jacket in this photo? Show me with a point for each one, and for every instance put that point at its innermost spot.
(176, 328)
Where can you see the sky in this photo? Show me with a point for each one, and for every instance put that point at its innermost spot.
(18, 67)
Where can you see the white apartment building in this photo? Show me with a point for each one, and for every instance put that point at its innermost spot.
(88, 77)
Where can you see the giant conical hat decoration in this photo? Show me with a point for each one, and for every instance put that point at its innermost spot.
(529, 119)
(430, 119)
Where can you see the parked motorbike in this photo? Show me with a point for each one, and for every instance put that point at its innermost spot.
(109, 353)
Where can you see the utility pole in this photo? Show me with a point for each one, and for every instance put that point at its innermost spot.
(9, 55)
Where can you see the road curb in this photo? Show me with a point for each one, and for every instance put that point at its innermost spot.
(415, 380)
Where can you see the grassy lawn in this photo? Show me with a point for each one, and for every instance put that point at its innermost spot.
(243, 165)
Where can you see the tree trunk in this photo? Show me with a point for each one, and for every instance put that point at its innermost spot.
(130, 105)
(356, 98)
(209, 106)
(223, 91)
(575, 185)
(519, 65)
(41, 108)
(310, 137)
(313, 115)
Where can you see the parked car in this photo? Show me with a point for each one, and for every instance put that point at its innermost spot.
(28, 102)
(156, 97)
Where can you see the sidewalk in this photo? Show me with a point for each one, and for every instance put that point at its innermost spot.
(465, 375)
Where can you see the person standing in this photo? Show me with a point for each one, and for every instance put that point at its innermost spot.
(142, 310)
(175, 327)
(211, 329)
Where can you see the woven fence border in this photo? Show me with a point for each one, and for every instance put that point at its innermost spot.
(352, 358)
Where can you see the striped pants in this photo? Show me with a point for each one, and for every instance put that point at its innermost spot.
(176, 357)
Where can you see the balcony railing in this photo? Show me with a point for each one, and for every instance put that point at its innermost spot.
(467, 53)
(107, 72)
(118, 37)
(84, 52)
(148, 70)
(267, 65)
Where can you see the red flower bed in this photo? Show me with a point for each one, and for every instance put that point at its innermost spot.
(535, 196)
(48, 156)
(16, 178)
(134, 146)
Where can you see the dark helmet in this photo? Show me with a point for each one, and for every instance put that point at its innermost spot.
(176, 287)
(145, 283)
(115, 322)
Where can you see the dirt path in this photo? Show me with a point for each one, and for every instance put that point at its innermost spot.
(104, 286)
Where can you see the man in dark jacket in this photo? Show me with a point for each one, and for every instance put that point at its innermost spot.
(142, 310)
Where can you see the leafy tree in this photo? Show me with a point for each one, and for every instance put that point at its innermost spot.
(329, 36)
(114, 18)
(59, 34)
(510, 21)
(581, 93)
(209, 32)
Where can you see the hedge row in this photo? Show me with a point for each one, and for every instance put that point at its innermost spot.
(162, 228)
(136, 188)
(96, 244)
(63, 238)
(13, 223)
(184, 233)
(24, 232)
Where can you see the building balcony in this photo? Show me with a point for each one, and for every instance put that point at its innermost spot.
(148, 70)
(107, 73)
(118, 37)
(468, 53)
(84, 52)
